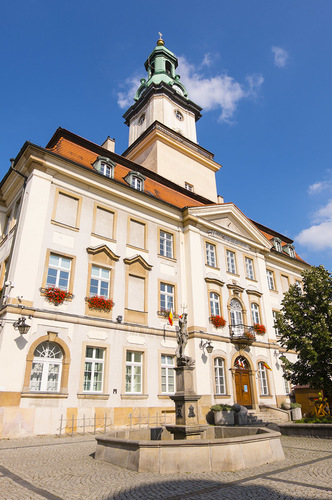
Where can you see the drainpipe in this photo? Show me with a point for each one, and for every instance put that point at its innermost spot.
(12, 161)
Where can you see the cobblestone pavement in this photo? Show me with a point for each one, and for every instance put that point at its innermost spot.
(64, 469)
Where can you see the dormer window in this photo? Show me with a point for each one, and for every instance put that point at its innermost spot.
(277, 244)
(135, 180)
(104, 166)
(289, 249)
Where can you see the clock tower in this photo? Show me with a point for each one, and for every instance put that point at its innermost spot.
(162, 127)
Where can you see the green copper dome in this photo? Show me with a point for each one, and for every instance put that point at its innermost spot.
(160, 66)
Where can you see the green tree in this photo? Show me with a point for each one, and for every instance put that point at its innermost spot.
(305, 326)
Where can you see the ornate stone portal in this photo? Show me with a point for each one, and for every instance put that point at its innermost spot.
(185, 398)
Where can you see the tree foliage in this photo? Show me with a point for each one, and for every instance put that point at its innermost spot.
(305, 326)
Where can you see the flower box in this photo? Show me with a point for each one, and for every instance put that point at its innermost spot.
(259, 329)
(56, 295)
(217, 321)
(99, 303)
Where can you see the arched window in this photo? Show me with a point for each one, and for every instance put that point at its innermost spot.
(236, 317)
(263, 379)
(219, 375)
(255, 313)
(46, 368)
(168, 68)
(214, 304)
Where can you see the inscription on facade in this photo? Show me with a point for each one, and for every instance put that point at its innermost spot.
(229, 239)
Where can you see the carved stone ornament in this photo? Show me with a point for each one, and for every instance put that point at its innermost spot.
(179, 412)
(191, 413)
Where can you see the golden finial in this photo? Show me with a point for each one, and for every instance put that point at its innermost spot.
(160, 41)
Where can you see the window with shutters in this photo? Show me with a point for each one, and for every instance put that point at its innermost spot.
(104, 221)
(137, 234)
(136, 293)
(66, 209)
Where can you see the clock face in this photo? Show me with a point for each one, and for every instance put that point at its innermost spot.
(178, 115)
(178, 89)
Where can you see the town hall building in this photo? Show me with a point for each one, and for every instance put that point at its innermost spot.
(101, 253)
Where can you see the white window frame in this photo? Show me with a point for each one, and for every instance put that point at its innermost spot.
(47, 361)
(236, 317)
(166, 244)
(263, 382)
(189, 187)
(106, 170)
(274, 314)
(210, 250)
(133, 366)
(231, 261)
(249, 268)
(61, 271)
(214, 304)
(255, 316)
(136, 183)
(94, 361)
(219, 375)
(167, 374)
(101, 281)
(166, 297)
(270, 279)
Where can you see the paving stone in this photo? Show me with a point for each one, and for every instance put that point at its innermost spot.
(64, 469)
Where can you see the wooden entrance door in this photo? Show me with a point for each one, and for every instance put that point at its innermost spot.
(242, 385)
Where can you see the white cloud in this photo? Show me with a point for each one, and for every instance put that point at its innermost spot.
(207, 61)
(318, 187)
(218, 92)
(126, 97)
(280, 56)
(319, 235)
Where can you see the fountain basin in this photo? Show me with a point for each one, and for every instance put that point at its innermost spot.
(219, 449)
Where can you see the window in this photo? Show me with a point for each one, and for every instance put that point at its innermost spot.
(263, 379)
(46, 368)
(231, 265)
(136, 233)
(286, 383)
(214, 304)
(277, 244)
(136, 183)
(106, 170)
(167, 374)
(274, 314)
(255, 313)
(189, 187)
(104, 222)
(166, 244)
(270, 279)
(219, 375)
(210, 254)
(136, 293)
(105, 166)
(66, 209)
(178, 115)
(141, 119)
(289, 249)
(58, 272)
(94, 369)
(236, 317)
(134, 365)
(166, 297)
(168, 68)
(284, 283)
(249, 268)
(99, 282)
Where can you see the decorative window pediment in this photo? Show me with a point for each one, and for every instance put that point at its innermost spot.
(103, 249)
(135, 180)
(139, 259)
(104, 166)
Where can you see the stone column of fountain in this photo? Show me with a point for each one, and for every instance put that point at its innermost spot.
(185, 398)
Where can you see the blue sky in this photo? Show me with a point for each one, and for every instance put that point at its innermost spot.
(261, 70)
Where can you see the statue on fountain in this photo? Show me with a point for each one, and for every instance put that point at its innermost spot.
(182, 340)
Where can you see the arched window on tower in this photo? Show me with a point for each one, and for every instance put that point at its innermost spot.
(168, 68)
(46, 368)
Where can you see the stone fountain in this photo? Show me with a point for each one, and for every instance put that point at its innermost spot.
(188, 446)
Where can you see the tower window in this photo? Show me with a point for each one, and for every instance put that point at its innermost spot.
(168, 68)
(141, 119)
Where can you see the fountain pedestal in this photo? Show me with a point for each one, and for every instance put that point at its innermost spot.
(186, 406)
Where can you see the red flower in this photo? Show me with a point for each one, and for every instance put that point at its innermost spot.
(218, 321)
(99, 303)
(249, 335)
(56, 295)
(260, 329)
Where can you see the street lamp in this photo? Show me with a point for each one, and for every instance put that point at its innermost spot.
(21, 326)
(206, 345)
